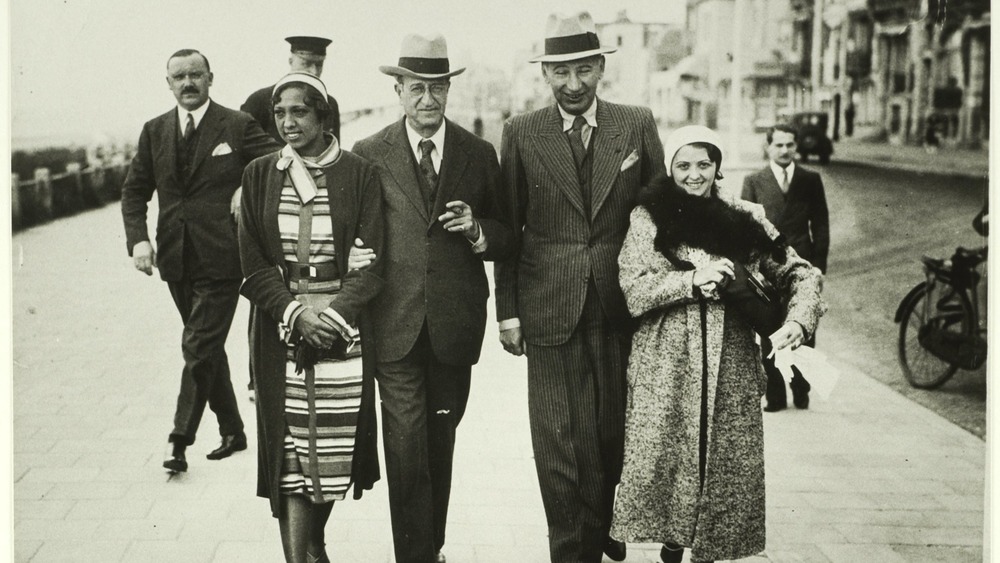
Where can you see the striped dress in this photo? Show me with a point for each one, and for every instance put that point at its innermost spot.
(322, 403)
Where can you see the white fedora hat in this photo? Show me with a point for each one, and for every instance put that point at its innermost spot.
(422, 57)
(568, 38)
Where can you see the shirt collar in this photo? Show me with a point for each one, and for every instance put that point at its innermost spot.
(196, 114)
(590, 115)
(779, 172)
(437, 138)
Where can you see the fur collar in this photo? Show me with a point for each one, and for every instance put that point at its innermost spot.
(708, 223)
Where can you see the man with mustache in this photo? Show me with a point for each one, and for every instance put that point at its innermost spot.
(193, 158)
(572, 174)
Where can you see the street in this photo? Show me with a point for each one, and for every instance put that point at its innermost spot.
(882, 221)
(865, 475)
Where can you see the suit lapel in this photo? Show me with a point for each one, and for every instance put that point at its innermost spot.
(555, 154)
(211, 127)
(272, 200)
(454, 160)
(169, 140)
(398, 160)
(607, 157)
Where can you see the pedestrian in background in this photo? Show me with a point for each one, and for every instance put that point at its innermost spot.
(303, 207)
(308, 55)
(193, 158)
(572, 173)
(441, 187)
(694, 447)
(795, 203)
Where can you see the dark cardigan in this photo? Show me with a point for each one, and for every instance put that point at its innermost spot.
(356, 212)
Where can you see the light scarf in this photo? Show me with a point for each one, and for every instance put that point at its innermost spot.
(298, 167)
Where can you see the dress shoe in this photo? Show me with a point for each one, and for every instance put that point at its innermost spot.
(440, 558)
(775, 406)
(230, 444)
(671, 554)
(615, 550)
(800, 390)
(176, 462)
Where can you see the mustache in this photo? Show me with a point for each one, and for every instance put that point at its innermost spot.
(190, 90)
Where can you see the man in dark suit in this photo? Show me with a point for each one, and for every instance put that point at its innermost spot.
(440, 186)
(193, 157)
(308, 55)
(572, 172)
(794, 201)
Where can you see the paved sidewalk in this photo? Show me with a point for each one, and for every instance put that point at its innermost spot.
(867, 476)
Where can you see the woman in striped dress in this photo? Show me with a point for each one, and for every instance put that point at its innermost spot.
(302, 209)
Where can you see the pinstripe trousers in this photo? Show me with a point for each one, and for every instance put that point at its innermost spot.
(576, 408)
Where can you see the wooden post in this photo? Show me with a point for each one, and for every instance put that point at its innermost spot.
(15, 200)
(43, 194)
(76, 180)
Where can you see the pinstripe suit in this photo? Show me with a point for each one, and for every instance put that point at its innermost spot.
(563, 286)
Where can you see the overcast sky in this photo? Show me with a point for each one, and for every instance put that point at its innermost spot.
(82, 70)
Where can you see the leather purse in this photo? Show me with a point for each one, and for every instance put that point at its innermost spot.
(755, 300)
(343, 348)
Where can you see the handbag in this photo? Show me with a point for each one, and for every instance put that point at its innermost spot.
(755, 300)
(343, 348)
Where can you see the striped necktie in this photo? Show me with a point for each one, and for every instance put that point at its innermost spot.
(428, 172)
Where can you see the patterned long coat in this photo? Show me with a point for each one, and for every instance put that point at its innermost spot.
(661, 497)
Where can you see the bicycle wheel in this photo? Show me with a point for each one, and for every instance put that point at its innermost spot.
(939, 308)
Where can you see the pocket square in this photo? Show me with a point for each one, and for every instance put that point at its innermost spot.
(631, 159)
(222, 149)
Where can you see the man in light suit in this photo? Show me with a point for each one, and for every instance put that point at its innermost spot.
(193, 157)
(440, 186)
(572, 172)
(795, 202)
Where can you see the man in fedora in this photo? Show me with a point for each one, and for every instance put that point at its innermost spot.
(572, 172)
(440, 186)
(193, 158)
(308, 55)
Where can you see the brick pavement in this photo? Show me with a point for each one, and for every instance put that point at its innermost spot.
(865, 476)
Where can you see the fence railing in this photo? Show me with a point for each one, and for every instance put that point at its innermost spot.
(48, 196)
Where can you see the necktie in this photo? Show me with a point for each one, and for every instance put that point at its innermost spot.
(427, 171)
(784, 180)
(189, 129)
(576, 141)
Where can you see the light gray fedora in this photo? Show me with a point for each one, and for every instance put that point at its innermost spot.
(568, 38)
(422, 57)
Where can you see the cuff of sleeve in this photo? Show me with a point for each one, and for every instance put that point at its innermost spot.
(344, 327)
(479, 246)
(507, 324)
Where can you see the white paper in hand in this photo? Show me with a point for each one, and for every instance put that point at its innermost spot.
(814, 367)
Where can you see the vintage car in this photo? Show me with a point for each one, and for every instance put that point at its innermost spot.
(812, 138)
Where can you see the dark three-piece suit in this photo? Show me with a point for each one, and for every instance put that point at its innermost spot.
(197, 252)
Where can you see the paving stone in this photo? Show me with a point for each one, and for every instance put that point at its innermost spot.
(24, 550)
(139, 529)
(99, 509)
(841, 553)
(42, 509)
(163, 551)
(34, 529)
(64, 551)
(936, 553)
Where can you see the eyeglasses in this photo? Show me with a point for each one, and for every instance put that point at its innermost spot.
(438, 89)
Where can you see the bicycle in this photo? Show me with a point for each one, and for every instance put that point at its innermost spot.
(939, 324)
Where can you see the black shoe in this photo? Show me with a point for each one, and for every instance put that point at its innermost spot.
(230, 444)
(775, 406)
(176, 462)
(672, 554)
(615, 549)
(800, 390)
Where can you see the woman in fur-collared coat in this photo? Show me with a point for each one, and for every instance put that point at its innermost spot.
(694, 448)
